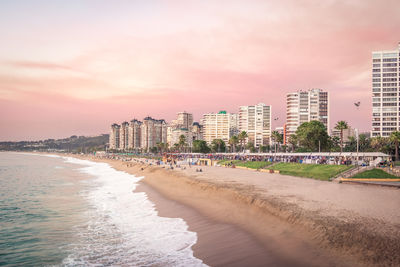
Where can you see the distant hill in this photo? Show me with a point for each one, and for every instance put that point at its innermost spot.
(70, 144)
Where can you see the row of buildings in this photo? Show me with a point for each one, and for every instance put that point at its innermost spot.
(255, 120)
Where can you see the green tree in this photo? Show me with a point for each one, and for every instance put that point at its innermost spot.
(242, 139)
(264, 148)
(313, 134)
(364, 143)
(293, 141)
(341, 125)
(176, 147)
(378, 143)
(233, 141)
(182, 143)
(277, 137)
(162, 147)
(218, 145)
(351, 144)
(154, 150)
(200, 146)
(250, 146)
(395, 138)
(335, 143)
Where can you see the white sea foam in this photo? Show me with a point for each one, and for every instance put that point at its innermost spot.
(123, 227)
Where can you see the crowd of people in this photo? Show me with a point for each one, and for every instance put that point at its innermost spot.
(174, 159)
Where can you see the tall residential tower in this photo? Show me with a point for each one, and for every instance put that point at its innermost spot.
(305, 106)
(114, 136)
(152, 132)
(385, 92)
(256, 122)
(221, 125)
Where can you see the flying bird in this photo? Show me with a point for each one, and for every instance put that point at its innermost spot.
(357, 104)
(275, 119)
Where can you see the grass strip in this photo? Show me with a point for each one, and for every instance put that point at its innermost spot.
(247, 164)
(375, 174)
(315, 171)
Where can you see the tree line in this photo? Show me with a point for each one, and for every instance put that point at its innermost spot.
(309, 137)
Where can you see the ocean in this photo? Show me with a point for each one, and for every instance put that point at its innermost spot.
(62, 211)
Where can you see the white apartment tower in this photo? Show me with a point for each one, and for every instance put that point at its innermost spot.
(114, 136)
(183, 125)
(256, 122)
(153, 132)
(221, 125)
(184, 120)
(385, 92)
(305, 106)
(134, 134)
(123, 136)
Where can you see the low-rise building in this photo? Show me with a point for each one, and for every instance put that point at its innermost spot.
(347, 133)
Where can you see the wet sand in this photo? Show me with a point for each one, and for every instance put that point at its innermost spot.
(246, 218)
(218, 244)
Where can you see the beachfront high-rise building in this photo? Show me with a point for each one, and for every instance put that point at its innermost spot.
(181, 126)
(123, 136)
(153, 132)
(114, 136)
(256, 122)
(134, 134)
(385, 92)
(184, 120)
(305, 106)
(221, 125)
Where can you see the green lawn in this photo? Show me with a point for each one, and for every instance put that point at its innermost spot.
(375, 173)
(316, 171)
(253, 164)
(247, 164)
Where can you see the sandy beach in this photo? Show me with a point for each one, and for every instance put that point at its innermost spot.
(247, 218)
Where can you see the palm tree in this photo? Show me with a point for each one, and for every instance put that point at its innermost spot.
(293, 141)
(395, 138)
(233, 141)
(341, 125)
(182, 142)
(242, 138)
(277, 137)
(218, 145)
(160, 147)
(176, 147)
(377, 142)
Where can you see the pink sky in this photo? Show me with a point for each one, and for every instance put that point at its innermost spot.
(75, 68)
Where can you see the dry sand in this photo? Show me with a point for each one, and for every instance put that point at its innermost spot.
(247, 218)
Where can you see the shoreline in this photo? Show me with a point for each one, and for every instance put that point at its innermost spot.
(291, 234)
(216, 241)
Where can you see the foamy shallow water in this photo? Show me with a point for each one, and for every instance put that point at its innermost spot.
(122, 227)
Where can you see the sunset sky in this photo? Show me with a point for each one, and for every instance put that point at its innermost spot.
(74, 67)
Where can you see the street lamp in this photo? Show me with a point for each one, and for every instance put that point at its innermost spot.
(358, 142)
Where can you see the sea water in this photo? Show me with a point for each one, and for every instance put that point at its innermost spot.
(62, 211)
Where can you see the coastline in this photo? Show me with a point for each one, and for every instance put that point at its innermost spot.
(288, 230)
